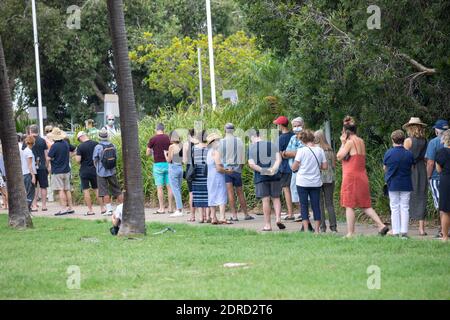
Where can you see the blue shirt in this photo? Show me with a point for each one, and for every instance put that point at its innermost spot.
(283, 141)
(97, 156)
(433, 146)
(60, 154)
(398, 161)
(293, 145)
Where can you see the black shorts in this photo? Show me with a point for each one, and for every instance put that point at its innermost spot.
(268, 189)
(286, 180)
(42, 178)
(88, 181)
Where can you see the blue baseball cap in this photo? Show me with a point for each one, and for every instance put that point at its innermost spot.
(441, 124)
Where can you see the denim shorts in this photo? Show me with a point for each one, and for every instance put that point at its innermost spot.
(235, 178)
(161, 173)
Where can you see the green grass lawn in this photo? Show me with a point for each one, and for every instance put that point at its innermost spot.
(188, 264)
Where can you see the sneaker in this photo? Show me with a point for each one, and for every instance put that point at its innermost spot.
(439, 235)
(288, 218)
(177, 213)
(107, 213)
(404, 236)
(298, 219)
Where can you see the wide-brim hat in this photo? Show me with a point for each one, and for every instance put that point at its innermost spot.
(212, 137)
(414, 121)
(57, 134)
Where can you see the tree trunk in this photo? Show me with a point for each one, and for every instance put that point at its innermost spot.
(133, 209)
(19, 216)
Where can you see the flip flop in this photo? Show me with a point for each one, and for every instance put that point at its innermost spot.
(281, 226)
(249, 217)
(44, 209)
(264, 229)
(59, 213)
(89, 213)
(225, 222)
(70, 211)
(34, 210)
(159, 212)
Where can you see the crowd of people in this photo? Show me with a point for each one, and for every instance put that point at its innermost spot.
(300, 165)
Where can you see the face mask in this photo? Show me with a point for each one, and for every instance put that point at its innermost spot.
(297, 129)
(110, 121)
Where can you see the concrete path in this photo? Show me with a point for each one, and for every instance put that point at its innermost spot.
(256, 224)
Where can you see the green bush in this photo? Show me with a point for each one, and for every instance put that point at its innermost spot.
(185, 118)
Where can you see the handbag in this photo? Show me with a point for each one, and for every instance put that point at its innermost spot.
(190, 173)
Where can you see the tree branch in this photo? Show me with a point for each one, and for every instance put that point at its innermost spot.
(422, 69)
(97, 91)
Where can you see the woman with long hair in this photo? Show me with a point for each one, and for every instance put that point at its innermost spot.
(417, 144)
(328, 178)
(355, 191)
(174, 157)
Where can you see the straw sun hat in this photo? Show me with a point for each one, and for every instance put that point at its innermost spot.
(57, 134)
(212, 137)
(414, 121)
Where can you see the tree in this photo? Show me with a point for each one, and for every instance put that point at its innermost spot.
(133, 209)
(173, 69)
(19, 216)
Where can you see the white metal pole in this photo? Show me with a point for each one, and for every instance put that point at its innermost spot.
(211, 54)
(200, 80)
(38, 71)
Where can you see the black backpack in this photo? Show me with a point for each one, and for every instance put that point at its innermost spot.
(109, 157)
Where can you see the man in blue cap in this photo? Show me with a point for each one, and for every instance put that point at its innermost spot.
(433, 146)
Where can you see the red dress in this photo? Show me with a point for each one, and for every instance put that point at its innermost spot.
(355, 191)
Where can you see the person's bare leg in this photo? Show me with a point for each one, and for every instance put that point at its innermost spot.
(316, 226)
(350, 215)
(277, 207)
(160, 198)
(100, 201)
(44, 198)
(170, 198)
(288, 198)
(267, 210)
(191, 206)
(242, 201)
(204, 214)
(120, 198)
(69, 199)
(212, 213)
(87, 200)
(231, 200)
(445, 222)
(374, 216)
(422, 227)
(35, 200)
(62, 199)
(222, 212)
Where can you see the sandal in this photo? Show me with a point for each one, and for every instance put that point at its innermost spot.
(383, 231)
(89, 213)
(264, 229)
(191, 219)
(159, 212)
(281, 226)
(232, 219)
(215, 222)
(225, 222)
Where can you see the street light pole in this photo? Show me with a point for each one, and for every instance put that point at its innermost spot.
(38, 71)
(200, 80)
(211, 54)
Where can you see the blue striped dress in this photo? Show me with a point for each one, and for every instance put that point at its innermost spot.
(199, 185)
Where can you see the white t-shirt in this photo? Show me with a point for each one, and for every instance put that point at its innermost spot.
(309, 174)
(25, 155)
(118, 212)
